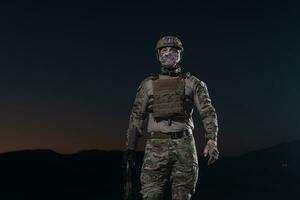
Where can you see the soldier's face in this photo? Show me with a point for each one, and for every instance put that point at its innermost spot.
(169, 56)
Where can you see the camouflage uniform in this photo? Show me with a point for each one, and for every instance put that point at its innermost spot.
(167, 158)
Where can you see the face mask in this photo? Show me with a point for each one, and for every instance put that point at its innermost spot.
(169, 59)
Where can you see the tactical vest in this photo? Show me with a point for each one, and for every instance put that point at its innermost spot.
(169, 99)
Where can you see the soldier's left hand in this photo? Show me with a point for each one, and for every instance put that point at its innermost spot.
(211, 149)
(130, 157)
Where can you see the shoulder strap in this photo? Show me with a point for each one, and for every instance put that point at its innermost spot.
(154, 76)
(184, 75)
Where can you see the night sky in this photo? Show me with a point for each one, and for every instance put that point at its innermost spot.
(69, 71)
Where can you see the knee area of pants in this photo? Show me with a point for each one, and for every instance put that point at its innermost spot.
(155, 195)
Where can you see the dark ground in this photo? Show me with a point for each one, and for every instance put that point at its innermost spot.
(271, 173)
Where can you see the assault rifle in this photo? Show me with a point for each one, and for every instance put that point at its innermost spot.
(130, 187)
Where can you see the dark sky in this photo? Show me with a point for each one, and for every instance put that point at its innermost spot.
(69, 71)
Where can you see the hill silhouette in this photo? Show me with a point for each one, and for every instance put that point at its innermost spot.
(271, 173)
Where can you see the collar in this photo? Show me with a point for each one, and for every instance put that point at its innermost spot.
(171, 72)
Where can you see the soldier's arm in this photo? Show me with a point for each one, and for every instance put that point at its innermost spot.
(137, 117)
(206, 109)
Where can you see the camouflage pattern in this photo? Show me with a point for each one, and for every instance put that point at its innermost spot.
(207, 111)
(169, 160)
(211, 149)
(169, 41)
(173, 160)
(195, 89)
(137, 117)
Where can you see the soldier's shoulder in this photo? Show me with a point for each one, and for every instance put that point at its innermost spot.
(148, 79)
(195, 80)
(153, 76)
(145, 82)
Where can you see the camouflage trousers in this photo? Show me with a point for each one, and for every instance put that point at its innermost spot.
(169, 160)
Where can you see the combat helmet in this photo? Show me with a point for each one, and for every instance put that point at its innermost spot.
(169, 41)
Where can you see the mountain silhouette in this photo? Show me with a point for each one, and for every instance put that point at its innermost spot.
(271, 173)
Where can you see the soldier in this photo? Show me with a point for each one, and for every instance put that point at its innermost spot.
(162, 111)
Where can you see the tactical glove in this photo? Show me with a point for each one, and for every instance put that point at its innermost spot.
(212, 150)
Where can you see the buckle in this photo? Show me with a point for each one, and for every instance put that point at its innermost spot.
(177, 135)
(173, 135)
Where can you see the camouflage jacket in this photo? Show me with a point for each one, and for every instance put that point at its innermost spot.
(141, 120)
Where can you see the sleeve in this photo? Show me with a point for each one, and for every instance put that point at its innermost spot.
(206, 110)
(137, 117)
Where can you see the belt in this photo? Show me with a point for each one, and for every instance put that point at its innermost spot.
(172, 135)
